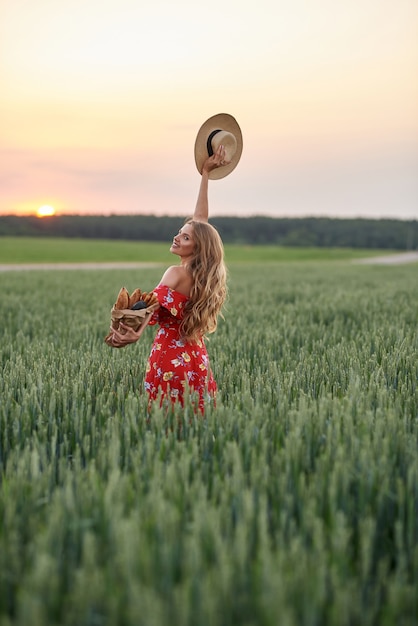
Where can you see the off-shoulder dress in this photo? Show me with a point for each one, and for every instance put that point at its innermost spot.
(175, 364)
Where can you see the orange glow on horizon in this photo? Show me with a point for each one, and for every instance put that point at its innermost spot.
(33, 208)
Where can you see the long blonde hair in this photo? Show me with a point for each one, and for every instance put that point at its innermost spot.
(209, 291)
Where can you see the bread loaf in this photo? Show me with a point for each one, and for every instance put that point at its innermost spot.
(135, 297)
(122, 301)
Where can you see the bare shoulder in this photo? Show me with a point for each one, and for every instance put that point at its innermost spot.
(178, 278)
(172, 276)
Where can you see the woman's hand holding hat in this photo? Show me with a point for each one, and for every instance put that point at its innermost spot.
(220, 131)
(218, 159)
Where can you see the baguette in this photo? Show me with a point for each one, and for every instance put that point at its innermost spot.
(135, 297)
(149, 298)
(122, 301)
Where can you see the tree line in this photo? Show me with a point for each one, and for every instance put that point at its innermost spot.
(320, 232)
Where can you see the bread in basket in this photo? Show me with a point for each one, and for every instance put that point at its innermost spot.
(133, 310)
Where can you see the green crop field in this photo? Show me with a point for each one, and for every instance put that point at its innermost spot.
(54, 250)
(293, 503)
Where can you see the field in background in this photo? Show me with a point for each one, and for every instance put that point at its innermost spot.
(294, 503)
(51, 250)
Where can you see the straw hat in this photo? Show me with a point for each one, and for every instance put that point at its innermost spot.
(219, 129)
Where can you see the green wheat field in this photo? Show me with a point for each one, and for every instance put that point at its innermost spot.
(293, 503)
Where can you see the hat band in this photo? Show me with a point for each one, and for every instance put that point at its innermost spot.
(209, 141)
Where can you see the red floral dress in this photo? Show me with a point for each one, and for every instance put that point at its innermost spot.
(174, 363)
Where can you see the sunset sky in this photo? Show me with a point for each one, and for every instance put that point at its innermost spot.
(100, 103)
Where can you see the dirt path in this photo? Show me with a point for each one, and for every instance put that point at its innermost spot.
(74, 266)
(390, 259)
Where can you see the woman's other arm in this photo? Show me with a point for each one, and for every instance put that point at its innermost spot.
(124, 336)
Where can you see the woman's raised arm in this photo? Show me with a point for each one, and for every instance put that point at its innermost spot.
(201, 212)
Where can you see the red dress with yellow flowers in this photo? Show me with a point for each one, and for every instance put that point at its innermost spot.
(174, 363)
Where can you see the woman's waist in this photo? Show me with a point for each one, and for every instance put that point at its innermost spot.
(170, 325)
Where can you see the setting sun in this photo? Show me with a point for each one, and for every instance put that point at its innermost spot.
(45, 211)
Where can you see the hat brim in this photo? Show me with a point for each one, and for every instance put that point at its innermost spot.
(221, 121)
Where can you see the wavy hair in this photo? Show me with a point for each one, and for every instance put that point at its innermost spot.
(209, 290)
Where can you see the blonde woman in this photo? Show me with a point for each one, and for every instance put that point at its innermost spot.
(190, 296)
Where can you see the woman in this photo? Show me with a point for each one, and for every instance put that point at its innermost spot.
(190, 297)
